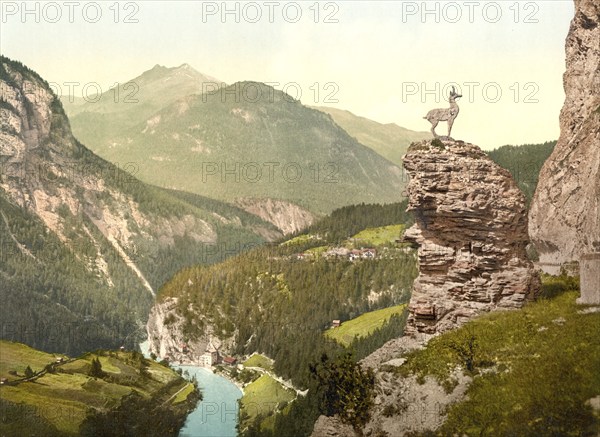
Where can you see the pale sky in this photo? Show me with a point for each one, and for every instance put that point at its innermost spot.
(376, 59)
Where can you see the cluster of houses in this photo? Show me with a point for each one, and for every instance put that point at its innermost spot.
(362, 254)
(342, 252)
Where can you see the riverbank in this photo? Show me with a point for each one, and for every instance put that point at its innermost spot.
(217, 413)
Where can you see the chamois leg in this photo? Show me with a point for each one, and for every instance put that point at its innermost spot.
(450, 123)
(434, 123)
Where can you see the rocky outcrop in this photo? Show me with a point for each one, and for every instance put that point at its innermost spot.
(166, 337)
(332, 427)
(471, 228)
(401, 404)
(564, 220)
(286, 216)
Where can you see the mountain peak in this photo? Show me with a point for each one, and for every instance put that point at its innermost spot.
(157, 68)
(160, 72)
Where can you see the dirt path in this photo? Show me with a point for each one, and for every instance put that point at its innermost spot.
(178, 391)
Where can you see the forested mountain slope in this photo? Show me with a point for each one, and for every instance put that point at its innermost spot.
(84, 244)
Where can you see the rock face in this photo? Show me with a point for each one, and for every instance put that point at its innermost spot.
(332, 427)
(415, 407)
(589, 272)
(166, 337)
(471, 228)
(564, 220)
(286, 216)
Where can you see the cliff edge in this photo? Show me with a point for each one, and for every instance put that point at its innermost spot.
(564, 219)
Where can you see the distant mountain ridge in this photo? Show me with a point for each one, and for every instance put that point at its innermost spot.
(242, 141)
(149, 91)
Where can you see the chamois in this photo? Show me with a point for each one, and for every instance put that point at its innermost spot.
(444, 114)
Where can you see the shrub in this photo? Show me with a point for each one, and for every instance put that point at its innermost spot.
(96, 369)
(345, 389)
(436, 142)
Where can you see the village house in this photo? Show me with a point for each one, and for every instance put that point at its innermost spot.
(336, 252)
(205, 360)
(231, 361)
(214, 353)
(336, 323)
(368, 253)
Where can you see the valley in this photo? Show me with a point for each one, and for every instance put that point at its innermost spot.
(193, 256)
(85, 246)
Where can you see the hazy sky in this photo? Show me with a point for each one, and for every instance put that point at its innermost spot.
(390, 61)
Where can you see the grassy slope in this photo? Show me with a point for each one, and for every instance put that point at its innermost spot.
(258, 360)
(363, 325)
(183, 394)
(63, 400)
(262, 396)
(378, 236)
(18, 358)
(534, 370)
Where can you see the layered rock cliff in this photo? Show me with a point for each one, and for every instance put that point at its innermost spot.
(471, 228)
(564, 220)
